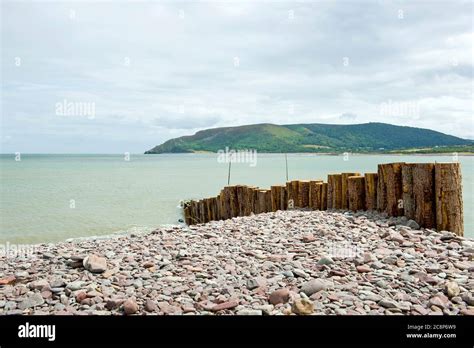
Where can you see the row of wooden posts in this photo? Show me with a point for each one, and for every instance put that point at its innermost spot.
(428, 193)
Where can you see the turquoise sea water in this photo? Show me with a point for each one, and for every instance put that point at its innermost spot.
(45, 198)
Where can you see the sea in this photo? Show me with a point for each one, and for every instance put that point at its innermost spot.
(49, 197)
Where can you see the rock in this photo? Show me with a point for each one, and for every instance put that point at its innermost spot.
(363, 269)
(80, 296)
(308, 238)
(76, 285)
(467, 311)
(437, 301)
(225, 305)
(300, 273)
(387, 303)
(256, 283)
(39, 284)
(7, 280)
(279, 296)
(150, 306)
(57, 283)
(247, 311)
(114, 303)
(325, 261)
(313, 286)
(32, 300)
(468, 298)
(95, 264)
(130, 306)
(148, 264)
(22, 274)
(420, 309)
(452, 289)
(302, 306)
(413, 224)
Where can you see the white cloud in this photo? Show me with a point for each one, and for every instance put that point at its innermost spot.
(157, 70)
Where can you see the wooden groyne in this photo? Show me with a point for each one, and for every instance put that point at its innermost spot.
(428, 193)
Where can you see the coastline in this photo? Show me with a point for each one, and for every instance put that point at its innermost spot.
(288, 262)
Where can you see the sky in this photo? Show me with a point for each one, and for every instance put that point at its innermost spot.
(124, 76)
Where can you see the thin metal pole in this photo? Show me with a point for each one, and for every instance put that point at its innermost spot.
(286, 161)
(228, 175)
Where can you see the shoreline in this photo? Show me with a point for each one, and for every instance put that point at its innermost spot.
(282, 263)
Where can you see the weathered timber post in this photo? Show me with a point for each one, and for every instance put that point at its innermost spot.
(292, 189)
(239, 190)
(371, 191)
(324, 196)
(268, 201)
(356, 192)
(284, 198)
(424, 194)
(276, 197)
(389, 189)
(315, 190)
(303, 193)
(187, 214)
(218, 207)
(448, 197)
(334, 191)
(344, 189)
(262, 204)
(407, 190)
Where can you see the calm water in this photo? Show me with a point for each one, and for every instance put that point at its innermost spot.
(54, 197)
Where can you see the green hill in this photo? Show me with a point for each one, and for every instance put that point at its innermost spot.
(367, 137)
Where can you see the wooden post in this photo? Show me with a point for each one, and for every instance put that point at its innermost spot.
(303, 193)
(196, 217)
(424, 194)
(371, 191)
(407, 190)
(234, 202)
(292, 189)
(276, 197)
(284, 198)
(239, 191)
(335, 191)
(315, 191)
(218, 207)
(344, 189)
(356, 192)
(187, 215)
(324, 196)
(262, 203)
(448, 196)
(389, 189)
(201, 208)
(268, 201)
(329, 190)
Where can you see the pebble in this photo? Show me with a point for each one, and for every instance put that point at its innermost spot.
(95, 264)
(313, 286)
(130, 306)
(279, 296)
(302, 306)
(275, 263)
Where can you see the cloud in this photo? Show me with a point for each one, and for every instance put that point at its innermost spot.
(156, 70)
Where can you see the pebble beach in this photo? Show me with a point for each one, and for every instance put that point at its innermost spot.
(291, 262)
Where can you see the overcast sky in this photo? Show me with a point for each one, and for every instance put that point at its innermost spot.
(151, 71)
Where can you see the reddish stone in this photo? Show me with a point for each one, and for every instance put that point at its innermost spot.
(7, 280)
(279, 296)
(226, 305)
(80, 296)
(363, 269)
(308, 238)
